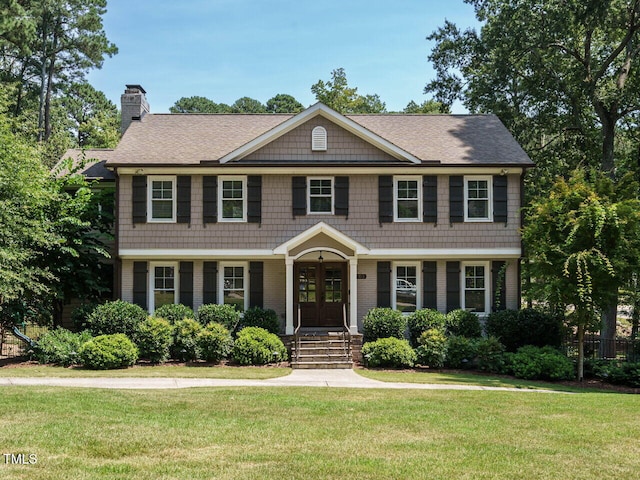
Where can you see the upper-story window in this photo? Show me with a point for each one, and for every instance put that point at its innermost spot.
(320, 195)
(232, 202)
(477, 202)
(407, 205)
(162, 199)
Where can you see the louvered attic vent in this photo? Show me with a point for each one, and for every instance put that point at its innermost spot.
(319, 139)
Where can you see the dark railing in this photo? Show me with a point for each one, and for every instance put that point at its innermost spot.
(14, 344)
(597, 348)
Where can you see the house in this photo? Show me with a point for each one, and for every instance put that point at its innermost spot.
(317, 215)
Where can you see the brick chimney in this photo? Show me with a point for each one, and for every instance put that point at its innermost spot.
(134, 105)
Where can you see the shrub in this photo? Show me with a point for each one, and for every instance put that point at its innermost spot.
(225, 315)
(185, 340)
(541, 363)
(490, 355)
(214, 342)
(461, 352)
(626, 373)
(529, 326)
(259, 317)
(432, 348)
(115, 317)
(383, 323)
(105, 352)
(172, 312)
(463, 323)
(257, 346)
(422, 320)
(154, 338)
(80, 314)
(389, 352)
(60, 347)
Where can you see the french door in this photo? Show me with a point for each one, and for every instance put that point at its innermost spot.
(321, 294)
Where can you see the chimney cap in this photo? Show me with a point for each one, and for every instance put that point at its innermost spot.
(136, 87)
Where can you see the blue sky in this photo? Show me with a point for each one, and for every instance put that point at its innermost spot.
(227, 49)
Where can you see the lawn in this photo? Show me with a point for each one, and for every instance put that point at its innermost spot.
(317, 433)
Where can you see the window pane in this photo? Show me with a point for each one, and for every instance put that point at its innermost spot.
(233, 291)
(232, 208)
(320, 204)
(478, 209)
(163, 297)
(478, 199)
(474, 300)
(406, 288)
(232, 189)
(407, 209)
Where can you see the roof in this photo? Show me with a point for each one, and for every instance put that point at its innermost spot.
(196, 139)
(94, 163)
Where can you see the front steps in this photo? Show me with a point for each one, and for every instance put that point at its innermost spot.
(322, 351)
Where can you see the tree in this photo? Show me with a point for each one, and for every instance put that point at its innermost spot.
(248, 105)
(198, 104)
(427, 107)
(283, 103)
(591, 228)
(337, 94)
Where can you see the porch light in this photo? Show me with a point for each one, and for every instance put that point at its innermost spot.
(320, 259)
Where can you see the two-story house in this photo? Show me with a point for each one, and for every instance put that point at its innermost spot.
(317, 214)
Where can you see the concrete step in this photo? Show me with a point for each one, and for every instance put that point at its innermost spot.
(322, 365)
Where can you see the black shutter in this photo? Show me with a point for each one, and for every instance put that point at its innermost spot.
(499, 288)
(209, 283)
(256, 286)
(299, 192)
(254, 201)
(500, 183)
(209, 199)
(183, 207)
(384, 284)
(140, 284)
(453, 286)
(385, 198)
(429, 285)
(430, 199)
(341, 185)
(456, 199)
(186, 283)
(139, 198)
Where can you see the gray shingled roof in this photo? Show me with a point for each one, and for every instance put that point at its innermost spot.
(95, 160)
(171, 139)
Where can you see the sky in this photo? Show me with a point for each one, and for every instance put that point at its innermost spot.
(228, 49)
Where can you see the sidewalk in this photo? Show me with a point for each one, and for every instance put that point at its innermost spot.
(298, 378)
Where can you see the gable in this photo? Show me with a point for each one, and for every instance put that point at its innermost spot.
(342, 146)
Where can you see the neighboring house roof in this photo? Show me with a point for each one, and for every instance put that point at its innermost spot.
(196, 139)
(94, 160)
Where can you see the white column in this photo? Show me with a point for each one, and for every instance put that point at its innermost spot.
(289, 296)
(353, 288)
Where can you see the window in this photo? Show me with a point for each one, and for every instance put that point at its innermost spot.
(477, 199)
(320, 195)
(232, 205)
(407, 206)
(161, 201)
(164, 286)
(405, 281)
(476, 294)
(234, 286)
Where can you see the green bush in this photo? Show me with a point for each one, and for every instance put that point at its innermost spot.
(80, 314)
(154, 338)
(423, 320)
(257, 346)
(115, 317)
(60, 347)
(106, 352)
(461, 352)
(516, 329)
(383, 323)
(432, 348)
(540, 363)
(490, 355)
(389, 352)
(173, 312)
(463, 323)
(625, 373)
(259, 317)
(185, 340)
(225, 315)
(214, 342)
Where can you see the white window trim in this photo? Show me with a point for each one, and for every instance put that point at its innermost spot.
(152, 283)
(489, 180)
(487, 285)
(333, 195)
(394, 284)
(174, 206)
(221, 267)
(413, 178)
(235, 178)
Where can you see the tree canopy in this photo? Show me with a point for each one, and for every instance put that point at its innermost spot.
(337, 94)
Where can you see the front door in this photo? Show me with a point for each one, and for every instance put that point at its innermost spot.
(322, 293)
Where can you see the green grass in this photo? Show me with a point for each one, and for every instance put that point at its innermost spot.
(317, 433)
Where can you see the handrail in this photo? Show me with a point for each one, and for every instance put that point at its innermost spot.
(296, 336)
(346, 334)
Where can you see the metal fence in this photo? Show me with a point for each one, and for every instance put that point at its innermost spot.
(12, 347)
(597, 348)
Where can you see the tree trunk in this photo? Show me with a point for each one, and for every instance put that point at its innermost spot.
(58, 306)
(608, 331)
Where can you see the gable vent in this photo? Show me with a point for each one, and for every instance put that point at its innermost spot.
(319, 139)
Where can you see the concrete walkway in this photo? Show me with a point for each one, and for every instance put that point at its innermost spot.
(297, 378)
